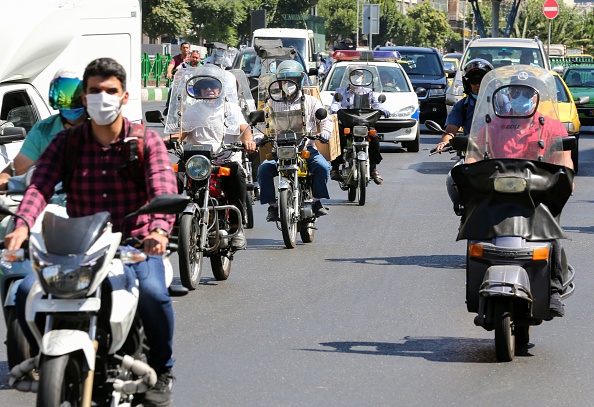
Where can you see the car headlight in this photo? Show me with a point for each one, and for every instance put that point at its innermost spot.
(569, 126)
(198, 167)
(509, 185)
(66, 276)
(436, 92)
(404, 112)
(286, 153)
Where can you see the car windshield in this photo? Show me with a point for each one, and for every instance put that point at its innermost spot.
(392, 79)
(505, 56)
(421, 64)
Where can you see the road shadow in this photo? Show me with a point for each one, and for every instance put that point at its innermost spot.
(4, 375)
(433, 167)
(432, 261)
(269, 244)
(433, 349)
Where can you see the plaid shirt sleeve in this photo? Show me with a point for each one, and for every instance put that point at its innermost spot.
(48, 172)
(160, 177)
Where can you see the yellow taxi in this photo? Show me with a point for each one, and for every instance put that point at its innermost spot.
(568, 113)
(450, 66)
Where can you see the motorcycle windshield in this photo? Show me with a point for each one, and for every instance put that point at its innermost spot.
(201, 99)
(286, 121)
(516, 116)
(361, 75)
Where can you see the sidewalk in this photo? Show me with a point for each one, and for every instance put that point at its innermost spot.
(152, 93)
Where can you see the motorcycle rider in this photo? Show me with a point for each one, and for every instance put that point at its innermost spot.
(510, 136)
(316, 163)
(349, 93)
(207, 89)
(65, 95)
(96, 185)
(461, 115)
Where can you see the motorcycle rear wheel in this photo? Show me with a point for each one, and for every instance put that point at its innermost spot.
(352, 194)
(190, 259)
(504, 339)
(60, 381)
(221, 267)
(362, 182)
(288, 225)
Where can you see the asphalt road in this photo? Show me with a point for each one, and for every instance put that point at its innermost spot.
(372, 312)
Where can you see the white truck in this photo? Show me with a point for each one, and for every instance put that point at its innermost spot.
(38, 37)
(301, 39)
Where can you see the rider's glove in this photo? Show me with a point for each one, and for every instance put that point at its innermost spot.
(325, 135)
(386, 113)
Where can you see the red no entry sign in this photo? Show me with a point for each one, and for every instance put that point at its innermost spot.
(550, 9)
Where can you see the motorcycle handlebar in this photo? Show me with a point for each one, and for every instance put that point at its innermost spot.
(447, 149)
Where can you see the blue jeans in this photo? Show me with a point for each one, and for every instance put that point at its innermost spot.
(154, 307)
(316, 164)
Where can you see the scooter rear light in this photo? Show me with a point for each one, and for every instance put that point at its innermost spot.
(476, 250)
(540, 253)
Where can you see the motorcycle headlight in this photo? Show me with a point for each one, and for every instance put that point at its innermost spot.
(198, 167)
(66, 276)
(286, 153)
(359, 131)
(509, 185)
(405, 111)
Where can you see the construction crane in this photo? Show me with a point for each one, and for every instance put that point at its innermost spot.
(511, 18)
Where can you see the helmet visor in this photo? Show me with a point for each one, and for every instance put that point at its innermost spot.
(66, 93)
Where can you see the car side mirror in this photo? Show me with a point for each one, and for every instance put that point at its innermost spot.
(10, 134)
(321, 114)
(584, 100)
(381, 98)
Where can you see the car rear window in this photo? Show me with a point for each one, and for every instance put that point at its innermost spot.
(504, 56)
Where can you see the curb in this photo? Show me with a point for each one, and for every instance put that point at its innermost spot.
(154, 94)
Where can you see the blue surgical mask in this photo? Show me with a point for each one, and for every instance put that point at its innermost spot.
(522, 104)
(72, 114)
(474, 95)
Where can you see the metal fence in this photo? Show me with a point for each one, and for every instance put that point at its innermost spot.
(154, 70)
(571, 60)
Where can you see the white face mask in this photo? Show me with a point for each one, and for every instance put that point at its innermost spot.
(104, 108)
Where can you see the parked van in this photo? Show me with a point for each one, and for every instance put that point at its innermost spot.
(38, 37)
(302, 40)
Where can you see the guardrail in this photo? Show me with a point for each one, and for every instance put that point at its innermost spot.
(154, 70)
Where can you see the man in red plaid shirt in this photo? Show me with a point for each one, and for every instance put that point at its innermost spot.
(98, 184)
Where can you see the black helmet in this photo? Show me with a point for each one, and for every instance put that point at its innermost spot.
(474, 68)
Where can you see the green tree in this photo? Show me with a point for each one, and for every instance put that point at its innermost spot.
(341, 18)
(436, 30)
(218, 19)
(166, 18)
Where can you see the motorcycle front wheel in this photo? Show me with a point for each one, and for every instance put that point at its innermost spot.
(221, 267)
(362, 182)
(504, 339)
(288, 225)
(60, 381)
(190, 258)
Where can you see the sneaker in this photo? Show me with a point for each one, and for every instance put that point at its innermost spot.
(160, 394)
(238, 241)
(272, 214)
(334, 175)
(319, 209)
(556, 306)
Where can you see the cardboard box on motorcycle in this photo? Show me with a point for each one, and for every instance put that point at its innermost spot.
(331, 150)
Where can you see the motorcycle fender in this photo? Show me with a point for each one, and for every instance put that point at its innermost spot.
(191, 208)
(283, 184)
(507, 281)
(362, 156)
(64, 341)
(11, 293)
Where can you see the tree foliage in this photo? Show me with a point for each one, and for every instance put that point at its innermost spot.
(341, 18)
(165, 18)
(218, 20)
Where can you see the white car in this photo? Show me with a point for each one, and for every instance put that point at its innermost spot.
(401, 100)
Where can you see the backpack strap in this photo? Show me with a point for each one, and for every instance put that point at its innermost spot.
(134, 152)
(73, 140)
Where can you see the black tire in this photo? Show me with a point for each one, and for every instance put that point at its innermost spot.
(352, 194)
(17, 346)
(249, 211)
(575, 156)
(190, 259)
(221, 267)
(307, 232)
(60, 381)
(522, 336)
(362, 182)
(415, 145)
(504, 339)
(288, 226)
